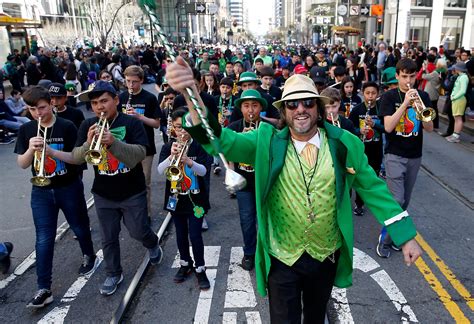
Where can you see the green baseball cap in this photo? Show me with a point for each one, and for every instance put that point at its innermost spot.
(388, 76)
(251, 94)
(248, 77)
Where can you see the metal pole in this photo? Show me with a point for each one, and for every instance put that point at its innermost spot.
(151, 31)
(396, 22)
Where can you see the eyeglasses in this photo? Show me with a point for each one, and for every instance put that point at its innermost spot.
(307, 103)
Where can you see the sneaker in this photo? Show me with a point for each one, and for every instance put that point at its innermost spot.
(204, 226)
(6, 140)
(248, 262)
(183, 273)
(383, 249)
(88, 265)
(394, 247)
(203, 282)
(453, 139)
(232, 195)
(217, 170)
(156, 254)
(443, 134)
(5, 259)
(110, 285)
(359, 211)
(42, 298)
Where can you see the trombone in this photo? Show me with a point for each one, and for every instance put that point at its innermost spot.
(94, 154)
(174, 171)
(422, 113)
(40, 179)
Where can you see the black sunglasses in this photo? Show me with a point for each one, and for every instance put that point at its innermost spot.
(307, 103)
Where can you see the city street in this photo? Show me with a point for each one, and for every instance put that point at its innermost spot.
(438, 289)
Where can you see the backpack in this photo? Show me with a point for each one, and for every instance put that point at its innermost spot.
(117, 83)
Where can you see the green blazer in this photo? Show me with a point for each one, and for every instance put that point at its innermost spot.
(265, 149)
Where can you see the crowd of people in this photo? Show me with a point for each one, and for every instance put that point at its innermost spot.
(283, 116)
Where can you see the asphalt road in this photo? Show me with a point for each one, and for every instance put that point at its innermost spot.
(385, 290)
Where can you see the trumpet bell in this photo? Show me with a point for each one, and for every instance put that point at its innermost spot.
(173, 173)
(426, 115)
(234, 181)
(93, 157)
(40, 181)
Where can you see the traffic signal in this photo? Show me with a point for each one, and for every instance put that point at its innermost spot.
(379, 25)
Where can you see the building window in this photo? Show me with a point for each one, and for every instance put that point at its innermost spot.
(422, 3)
(419, 30)
(455, 3)
(12, 9)
(451, 32)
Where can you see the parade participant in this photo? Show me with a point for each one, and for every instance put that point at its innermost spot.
(204, 64)
(369, 128)
(59, 98)
(262, 54)
(266, 75)
(238, 69)
(6, 249)
(458, 99)
(225, 101)
(166, 106)
(285, 74)
(258, 64)
(229, 70)
(303, 249)
(404, 136)
(251, 104)
(332, 108)
(56, 186)
(119, 187)
(349, 97)
(389, 79)
(142, 105)
(186, 199)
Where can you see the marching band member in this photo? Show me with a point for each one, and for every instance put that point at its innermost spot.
(143, 105)
(119, 183)
(186, 197)
(250, 104)
(166, 106)
(65, 191)
(266, 75)
(304, 246)
(369, 128)
(332, 108)
(225, 101)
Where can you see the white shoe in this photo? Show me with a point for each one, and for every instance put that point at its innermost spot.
(204, 226)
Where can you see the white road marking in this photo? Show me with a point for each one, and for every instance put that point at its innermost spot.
(211, 256)
(240, 291)
(59, 313)
(229, 318)
(253, 318)
(342, 306)
(31, 259)
(205, 299)
(395, 295)
(365, 263)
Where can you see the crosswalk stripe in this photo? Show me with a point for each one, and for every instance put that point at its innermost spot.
(240, 292)
(229, 318)
(342, 307)
(211, 256)
(203, 308)
(253, 318)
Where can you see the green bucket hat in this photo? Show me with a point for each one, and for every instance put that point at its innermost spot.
(251, 94)
(388, 76)
(248, 77)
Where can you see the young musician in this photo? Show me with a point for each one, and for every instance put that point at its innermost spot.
(59, 99)
(250, 104)
(369, 129)
(267, 76)
(404, 135)
(225, 101)
(332, 108)
(142, 105)
(186, 198)
(119, 184)
(64, 192)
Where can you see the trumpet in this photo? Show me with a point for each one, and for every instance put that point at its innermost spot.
(335, 122)
(40, 179)
(252, 123)
(422, 113)
(174, 172)
(94, 154)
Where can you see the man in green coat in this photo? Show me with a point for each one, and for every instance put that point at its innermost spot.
(303, 175)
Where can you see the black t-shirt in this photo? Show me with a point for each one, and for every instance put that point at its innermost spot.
(196, 184)
(62, 137)
(273, 92)
(247, 171)
(144, 103)
(229, 104)
(113, 180)
(280, 81)
(353, 101)
(406, 140)
(72, 114)
(207, 99)
(357, 117)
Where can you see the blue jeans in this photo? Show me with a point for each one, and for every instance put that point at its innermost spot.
(45, 204)
(248, 220)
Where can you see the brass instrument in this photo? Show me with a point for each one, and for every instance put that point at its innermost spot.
(364, 123)
(252, 124)
(40, 179)
(174, 172)
(94, 154)
(348, 106)
(335, 122)
(422, 113)
(169, 124)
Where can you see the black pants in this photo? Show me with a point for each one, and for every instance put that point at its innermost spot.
(434, 105)
(188, 224)
(374, 152)
(306, 286)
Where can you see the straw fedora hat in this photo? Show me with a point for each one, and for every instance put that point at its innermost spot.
(300, 86)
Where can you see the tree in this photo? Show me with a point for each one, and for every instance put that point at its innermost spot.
(59, 34)
(102, 15)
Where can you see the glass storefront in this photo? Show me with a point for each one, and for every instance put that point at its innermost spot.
(451, 32)
(419, 30)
